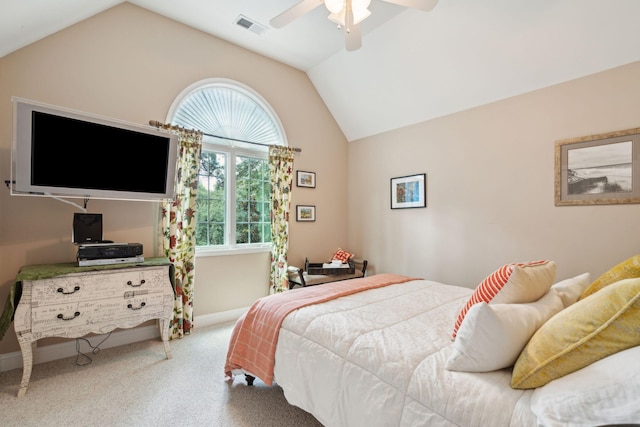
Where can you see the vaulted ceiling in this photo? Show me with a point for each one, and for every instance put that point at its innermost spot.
(413, 65)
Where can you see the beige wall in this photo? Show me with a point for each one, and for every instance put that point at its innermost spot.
(130, 64)
(490, 173)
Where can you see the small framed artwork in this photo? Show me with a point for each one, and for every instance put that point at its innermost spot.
(409, 191)
(305, 213)
(306, 179)
(601, 169)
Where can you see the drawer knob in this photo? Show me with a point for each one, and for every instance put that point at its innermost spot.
(142, 304)
(75, 289)
(61, 316)
(130, 283)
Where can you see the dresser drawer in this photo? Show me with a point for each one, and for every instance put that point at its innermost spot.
(98, 285)
(95, 313)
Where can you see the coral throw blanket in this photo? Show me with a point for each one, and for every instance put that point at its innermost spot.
(255, 336)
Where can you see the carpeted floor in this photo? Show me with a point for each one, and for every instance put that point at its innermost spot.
(135, 385)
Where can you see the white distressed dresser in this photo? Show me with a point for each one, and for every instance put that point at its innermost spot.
(64, 300)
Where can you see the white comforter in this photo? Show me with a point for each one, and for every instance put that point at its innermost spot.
(376, 358)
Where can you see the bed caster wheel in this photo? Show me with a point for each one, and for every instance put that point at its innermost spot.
(249, 379)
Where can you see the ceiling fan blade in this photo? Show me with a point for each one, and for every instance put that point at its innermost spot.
(352, 38)
(425, 5)
(294, 12)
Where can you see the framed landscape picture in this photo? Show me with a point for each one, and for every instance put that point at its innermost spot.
(306, 179)
(305, 213)
(409, 191)
(598, 169)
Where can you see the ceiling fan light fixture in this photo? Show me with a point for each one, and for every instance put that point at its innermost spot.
(338, 9)
(361, 6)
(360, 15)
(335, 6)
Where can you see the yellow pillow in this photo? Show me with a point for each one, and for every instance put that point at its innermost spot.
(625, 270)
(587, 331)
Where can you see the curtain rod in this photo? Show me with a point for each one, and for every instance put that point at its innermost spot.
(158, 124)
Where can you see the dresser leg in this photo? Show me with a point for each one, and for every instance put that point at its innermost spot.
(27, 349)
(163, 324)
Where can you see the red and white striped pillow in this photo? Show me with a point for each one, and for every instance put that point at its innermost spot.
(512, 284)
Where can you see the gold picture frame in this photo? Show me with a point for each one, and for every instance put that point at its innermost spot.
(602, 169)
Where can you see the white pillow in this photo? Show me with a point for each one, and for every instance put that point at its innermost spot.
(514, 283)
(492, 336)
(571, 289)
(605, 392)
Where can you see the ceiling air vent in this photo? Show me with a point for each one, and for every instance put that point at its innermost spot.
(247, 23)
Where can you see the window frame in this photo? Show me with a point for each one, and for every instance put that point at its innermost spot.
(231, 247)
(231, 151)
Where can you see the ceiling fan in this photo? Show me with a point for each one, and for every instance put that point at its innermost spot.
(346, 13)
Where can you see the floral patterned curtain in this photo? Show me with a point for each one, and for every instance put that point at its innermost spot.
(281, 177)
(178, 228)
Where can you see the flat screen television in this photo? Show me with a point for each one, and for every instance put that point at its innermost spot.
(67, 153)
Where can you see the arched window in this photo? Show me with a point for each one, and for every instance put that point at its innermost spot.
(233, 201)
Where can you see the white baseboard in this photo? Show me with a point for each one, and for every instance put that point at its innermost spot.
(218, 318)
(51, 352)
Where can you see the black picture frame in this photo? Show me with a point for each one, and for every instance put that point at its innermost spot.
(409, 191)
(305, 213)
(306, 179)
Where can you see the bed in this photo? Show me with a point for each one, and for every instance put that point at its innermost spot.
(380, 351)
